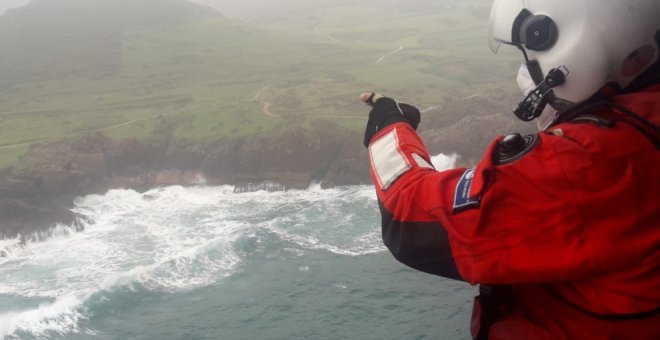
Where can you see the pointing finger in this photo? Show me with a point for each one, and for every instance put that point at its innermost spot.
(371, 98)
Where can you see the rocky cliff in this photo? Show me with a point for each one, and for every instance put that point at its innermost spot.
(41, 192)
(476, 122)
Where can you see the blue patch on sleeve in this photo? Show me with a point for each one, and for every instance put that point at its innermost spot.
(462, 200)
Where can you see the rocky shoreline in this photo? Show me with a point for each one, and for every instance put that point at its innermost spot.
(41, 193)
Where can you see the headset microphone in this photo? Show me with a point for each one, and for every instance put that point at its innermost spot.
(534, 103)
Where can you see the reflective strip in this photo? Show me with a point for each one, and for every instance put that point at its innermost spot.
(387, 160)
(421, 162)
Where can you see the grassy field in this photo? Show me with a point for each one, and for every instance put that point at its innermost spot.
(217, 77)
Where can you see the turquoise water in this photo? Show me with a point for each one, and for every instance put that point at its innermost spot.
(205, 263)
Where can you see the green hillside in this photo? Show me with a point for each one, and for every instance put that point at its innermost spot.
(130, 68)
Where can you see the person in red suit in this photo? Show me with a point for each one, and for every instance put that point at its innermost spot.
(560, 228)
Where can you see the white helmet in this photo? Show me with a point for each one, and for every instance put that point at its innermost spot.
(573, 48)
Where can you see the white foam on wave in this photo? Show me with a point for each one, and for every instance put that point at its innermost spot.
(172, 239)
(167, 239)
(60, 317)
(443, 162)
(342, 220)
(372, 243)
(8, 247)
(361, 234)
(155, 240)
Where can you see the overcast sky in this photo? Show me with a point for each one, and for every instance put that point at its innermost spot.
(231, 4)
(291, 13)
(7, 4)
(239, 6)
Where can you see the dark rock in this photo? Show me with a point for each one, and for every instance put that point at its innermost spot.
(474, 124)
(31, 215)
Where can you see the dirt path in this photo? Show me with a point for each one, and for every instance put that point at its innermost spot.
(266, 105)
(389, 54)
(105, 128)
(430, 108)
(18, 145)
(266, 110)
(256, 96)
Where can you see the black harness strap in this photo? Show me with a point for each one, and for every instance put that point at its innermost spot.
(494, 302)
(647, 128)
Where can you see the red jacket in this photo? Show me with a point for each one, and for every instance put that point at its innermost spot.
(569, 219)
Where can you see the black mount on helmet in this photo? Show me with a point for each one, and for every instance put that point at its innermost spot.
(532, 106)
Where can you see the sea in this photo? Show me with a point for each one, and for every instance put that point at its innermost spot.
(204, 262)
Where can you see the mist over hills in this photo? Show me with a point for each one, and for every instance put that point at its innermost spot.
(9, 4)
(92, 64)
(299, 14)
(98, 94)
(136, 68)
(57, 38)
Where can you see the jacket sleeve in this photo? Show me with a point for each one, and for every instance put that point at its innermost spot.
(540, 218)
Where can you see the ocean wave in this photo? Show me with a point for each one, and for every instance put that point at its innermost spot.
(8, 247)
(370, 243)
(57, 318)
(166, 243)
(167, 239)
(170, 239)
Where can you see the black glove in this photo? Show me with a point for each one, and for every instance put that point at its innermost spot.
(387, 111)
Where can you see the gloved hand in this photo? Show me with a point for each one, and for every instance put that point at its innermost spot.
(386, 111)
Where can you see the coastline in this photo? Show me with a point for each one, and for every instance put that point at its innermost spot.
(40, 194)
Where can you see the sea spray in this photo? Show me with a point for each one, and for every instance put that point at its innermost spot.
(165, 240)
(251, 258)
(444, 162)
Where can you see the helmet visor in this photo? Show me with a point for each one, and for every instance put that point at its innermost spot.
(503, 14)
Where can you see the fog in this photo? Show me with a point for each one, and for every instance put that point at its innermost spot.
(229, 67)
(90, 56)
(190, 101)
(302, 13)
(9, 4)
(297, 13)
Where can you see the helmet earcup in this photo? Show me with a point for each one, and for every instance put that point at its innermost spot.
(538, 32)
